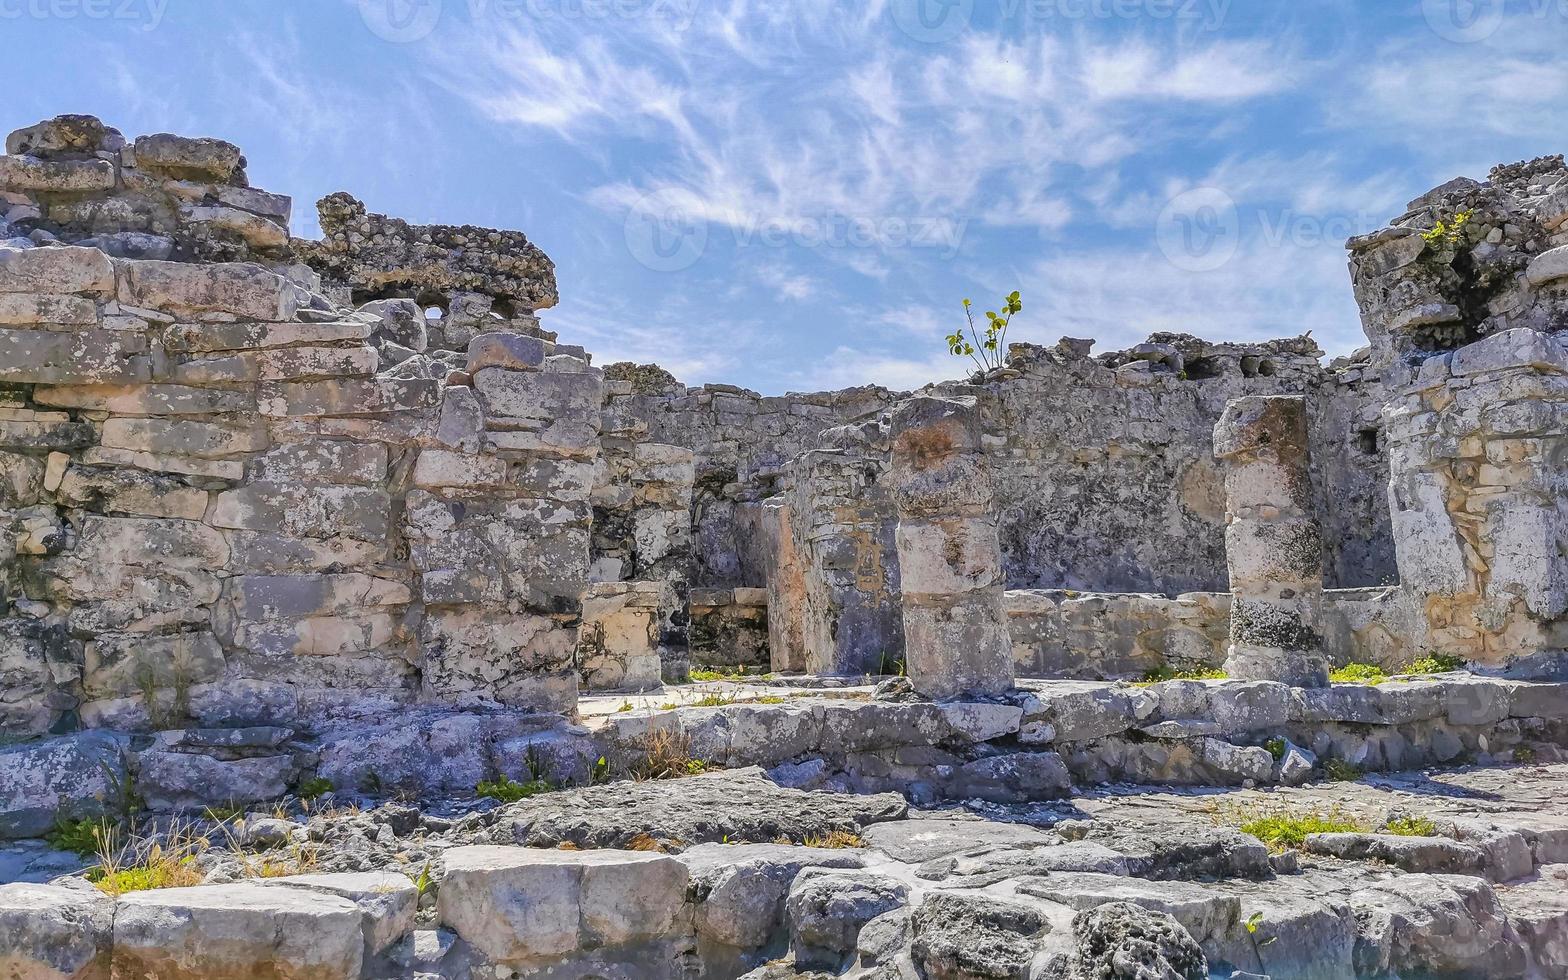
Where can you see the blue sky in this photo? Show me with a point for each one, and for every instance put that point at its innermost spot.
(797, 194)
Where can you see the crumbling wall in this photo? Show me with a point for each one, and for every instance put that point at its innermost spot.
(1465, 261)
(1103, 474)
(1100, 636)
(226, 500)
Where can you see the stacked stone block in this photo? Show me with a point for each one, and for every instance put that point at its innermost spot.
(1480, 500)
(843, 520)
(642, 535)
(956, 639)
(1273, 543)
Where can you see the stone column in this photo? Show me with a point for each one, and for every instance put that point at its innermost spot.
(956, 637)
(1273, 543)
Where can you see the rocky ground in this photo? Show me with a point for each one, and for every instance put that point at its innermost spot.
(790, 883)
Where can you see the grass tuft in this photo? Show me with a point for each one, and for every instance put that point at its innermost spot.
(1165, 672)
(1285, 829)
(507, 791)
(1411, 827)
(1358, 674)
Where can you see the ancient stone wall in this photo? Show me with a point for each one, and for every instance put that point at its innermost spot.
(1103, 476)
(227, 500)
(1100, 636)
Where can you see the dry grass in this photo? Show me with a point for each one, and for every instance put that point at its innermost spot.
(667, 755)
(291, 859)
(833, 840)
(646, 842)
(137, 863)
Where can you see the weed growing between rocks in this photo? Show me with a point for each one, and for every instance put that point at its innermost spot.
(506, 790)
(146, 863)
(668, 756)
(1411, 827)
(81, 837)
(836, 840)
(1340, 771)
(1166, 672)
(1284, 830)
(1357, 674)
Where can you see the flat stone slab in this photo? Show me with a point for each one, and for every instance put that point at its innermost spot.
(740, 807)
(918, 841)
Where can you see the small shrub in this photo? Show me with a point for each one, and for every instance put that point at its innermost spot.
(1450, 232)
(1340, 771)
(1165, 672)
(1276, 747)
(702, 674)
(991, 352)
(1285, 829)
(625, 707)
(83, 838)
(1436, 663)
(507, 791)
(1358, 674)
(1411, 827)
(1524, 753)
(423, 880)
(601, 771)
(314, 788)
(770, 699)
(718, 700)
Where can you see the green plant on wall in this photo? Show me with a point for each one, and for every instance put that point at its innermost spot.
(988, 349)
(1448, 233)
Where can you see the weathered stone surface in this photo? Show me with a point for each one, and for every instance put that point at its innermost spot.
(49, 933)
(24, 173)
(969, 937)
(1122, 941)
(518, 905)
(741, 807)
(388, 901)
(237, 932)
(183, 288)
(188, 781)
(69, 777)
(184, 156)
(827, 911)
(741, 889)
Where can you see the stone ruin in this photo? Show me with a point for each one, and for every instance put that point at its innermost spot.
(332, 571)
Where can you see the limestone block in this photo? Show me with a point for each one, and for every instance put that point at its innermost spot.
(44, 431)
(70, 133)
(277, 206)
(21, 480)
(462, 420)
(170, 781)
(439, 468)
(31, 309)
(143, 541)
(204, 440)
(323, 461)
(323, 636)
(1073, 714)
(520, 905)
(39, 663)
(1527, 555)
(387, 899)
(24, 173)
(949, 556)
(50, 933)
(510, 351)
(257, 231)
(152, 399)
(350, 397)
(531, 395)
(742, 888)
(1511, 349)
(238, 932)
(70, 777)
(159, 463)
(827, 910)
(618, 642)
(959, 648)
(263, 597)
(81, 357)
(518, 660)
(295, 363)
(56, 270)
(199, 158)
(123, 665)
(1435, 924)
(183, 288)
(362, 513)
(230, 336)
(1549, 266)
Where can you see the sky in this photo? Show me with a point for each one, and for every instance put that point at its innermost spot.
(799, 194)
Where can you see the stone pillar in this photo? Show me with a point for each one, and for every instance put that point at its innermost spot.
(956, 636)
(1273, 542)
(851, 621)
